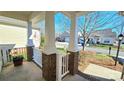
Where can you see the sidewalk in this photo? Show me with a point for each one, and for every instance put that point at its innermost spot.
(102, 73)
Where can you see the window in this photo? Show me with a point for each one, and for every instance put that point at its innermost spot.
(106, 41)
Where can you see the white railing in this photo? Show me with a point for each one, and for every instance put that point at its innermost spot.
(37, 56)
(62, 66)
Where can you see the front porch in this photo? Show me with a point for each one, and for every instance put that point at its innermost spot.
(55, 66)
(29, 71)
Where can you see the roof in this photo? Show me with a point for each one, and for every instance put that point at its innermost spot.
(104, 33)
(65, 34)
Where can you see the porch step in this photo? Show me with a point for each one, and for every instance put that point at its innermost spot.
(74, 78)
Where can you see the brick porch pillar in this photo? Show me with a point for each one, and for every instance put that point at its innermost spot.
(73, 47)
(73, 62)
(49, 66)
(29, 53)
(30, 44)
(49, 51)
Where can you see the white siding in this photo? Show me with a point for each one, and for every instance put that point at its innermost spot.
(105, 39)
(13, 35)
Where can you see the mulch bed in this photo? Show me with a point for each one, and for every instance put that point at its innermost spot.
(87, 57)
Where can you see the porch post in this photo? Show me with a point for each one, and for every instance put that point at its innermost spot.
(29, 42)
(73, 47)
(0, 61)
(49, 51)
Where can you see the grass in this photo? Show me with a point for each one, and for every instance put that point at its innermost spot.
(61, 50)
(107, 47)
(101, 56)
(97, 56)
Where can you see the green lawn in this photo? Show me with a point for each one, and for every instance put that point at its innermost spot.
(61, 50)
(107, 47)
(101, 56)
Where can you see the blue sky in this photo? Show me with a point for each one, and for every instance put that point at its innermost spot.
(63, 23)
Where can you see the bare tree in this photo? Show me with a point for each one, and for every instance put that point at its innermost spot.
(94, 21)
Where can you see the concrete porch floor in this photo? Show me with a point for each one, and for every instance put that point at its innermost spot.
(27, 72)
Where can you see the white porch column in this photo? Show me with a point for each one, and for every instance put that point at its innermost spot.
(73, 44)
(49, 51)
(29, 33)
(73, 47)
(49, 47)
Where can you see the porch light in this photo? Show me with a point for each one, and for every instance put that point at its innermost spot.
(120, 37)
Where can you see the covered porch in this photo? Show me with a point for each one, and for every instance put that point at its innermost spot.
(29, 71)
(53, 66)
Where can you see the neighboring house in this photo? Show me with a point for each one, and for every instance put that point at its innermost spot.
(64, 37)
(103, 37)
(123, 41)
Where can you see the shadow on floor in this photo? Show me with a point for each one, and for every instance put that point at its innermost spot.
(93, 78)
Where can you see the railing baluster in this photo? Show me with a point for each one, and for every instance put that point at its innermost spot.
(64, 64)
(67, 61)
(2, 57)
(9, 54)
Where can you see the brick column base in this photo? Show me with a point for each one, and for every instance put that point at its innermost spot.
(29, 53)
(49, 66)
(73, 62)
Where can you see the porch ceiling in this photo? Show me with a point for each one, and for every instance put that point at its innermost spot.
(34, 16)
(20, 15)
(77, 13)
(17, 18)
(28, 15)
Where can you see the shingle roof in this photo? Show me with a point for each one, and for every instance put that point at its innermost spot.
(104, 33)
(65, 34)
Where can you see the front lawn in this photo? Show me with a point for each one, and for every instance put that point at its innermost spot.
(61, 50)
(107, 47)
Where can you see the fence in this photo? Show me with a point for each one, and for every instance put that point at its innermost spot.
(62, 66)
